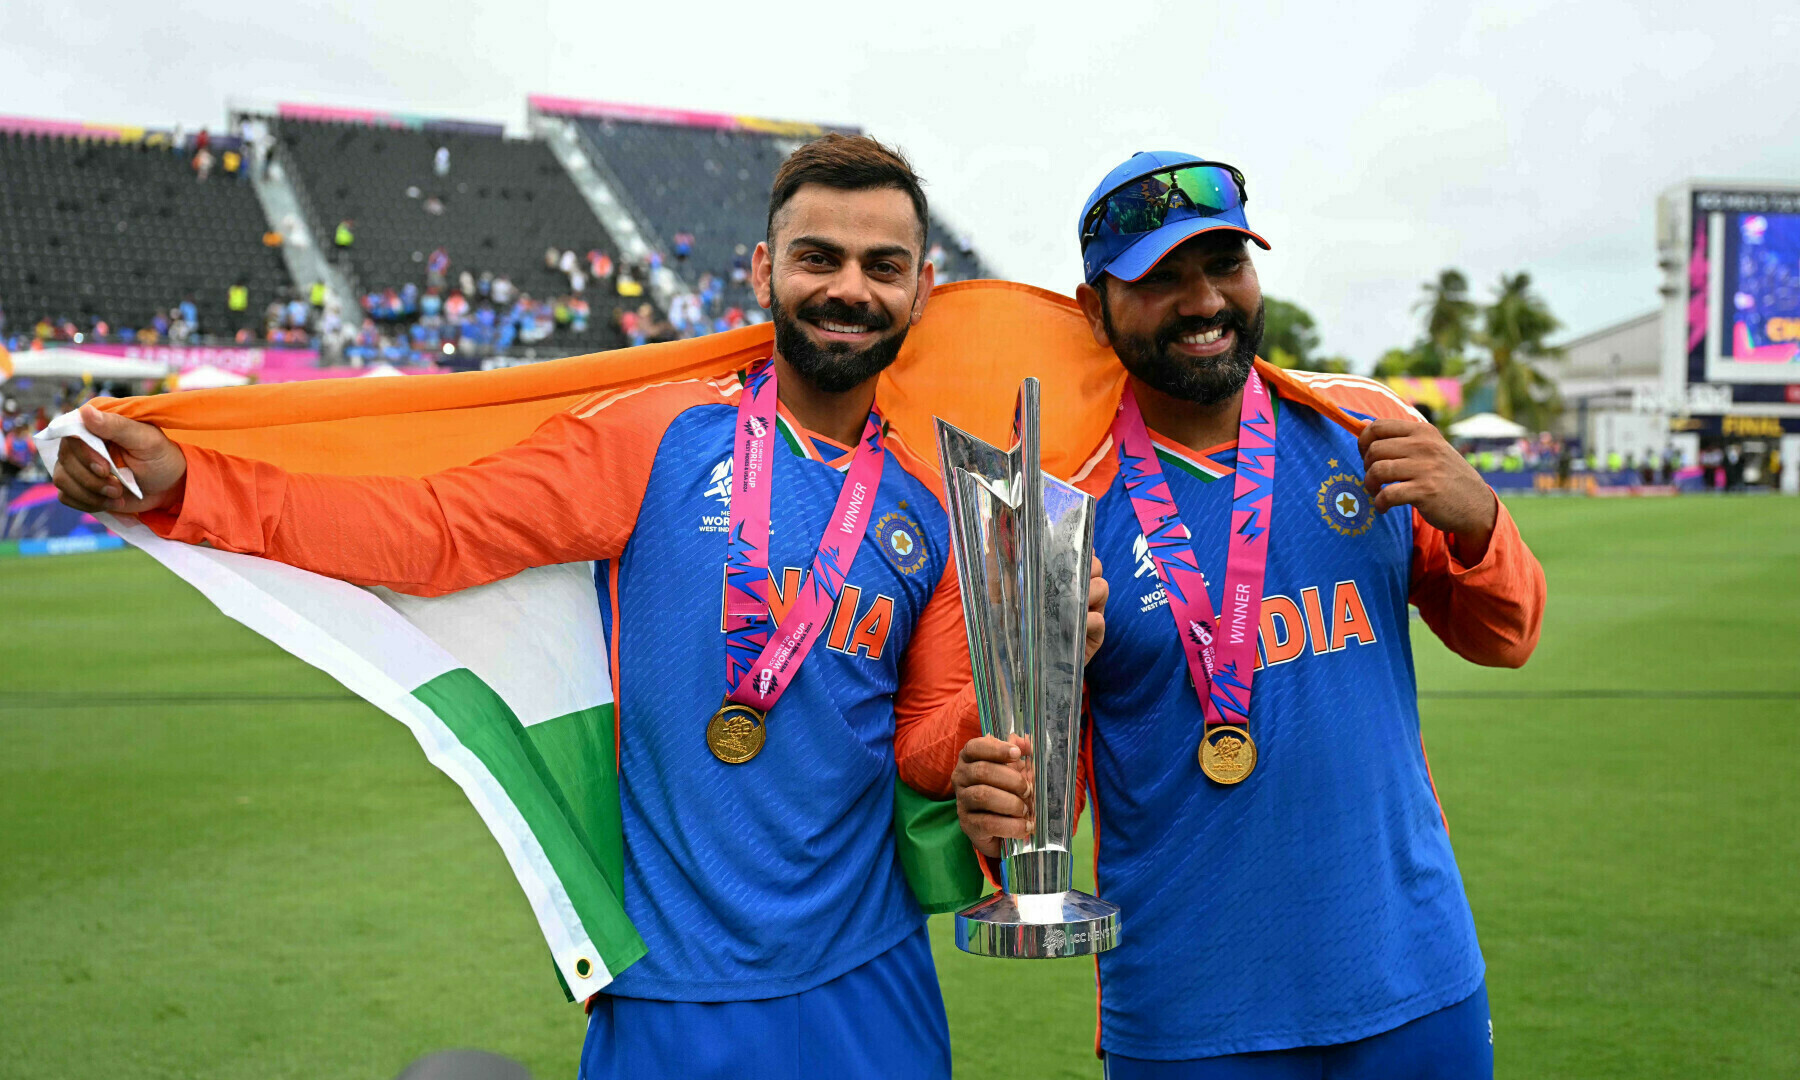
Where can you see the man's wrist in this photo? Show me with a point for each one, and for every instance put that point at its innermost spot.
(1470, 545)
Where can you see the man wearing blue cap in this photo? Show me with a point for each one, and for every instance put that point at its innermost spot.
(1266, 817)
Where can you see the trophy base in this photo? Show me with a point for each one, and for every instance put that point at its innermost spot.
(1038, 926)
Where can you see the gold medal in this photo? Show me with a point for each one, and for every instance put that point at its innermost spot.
(1227, 754)
(735, 733)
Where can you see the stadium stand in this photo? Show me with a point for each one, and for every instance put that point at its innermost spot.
(119, 234)
(496, 208)
(106, 225)
(712, 179)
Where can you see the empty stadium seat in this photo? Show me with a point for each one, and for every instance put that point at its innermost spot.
(121, 231)
(714, 184)
(504, 201)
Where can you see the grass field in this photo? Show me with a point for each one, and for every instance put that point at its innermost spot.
(243, 874)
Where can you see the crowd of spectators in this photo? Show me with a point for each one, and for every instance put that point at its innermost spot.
(1547, 454)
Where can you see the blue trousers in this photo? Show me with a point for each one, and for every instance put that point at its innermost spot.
(884, 1019)
(1454, 1043)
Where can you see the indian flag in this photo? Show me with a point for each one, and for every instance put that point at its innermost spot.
(506, 686)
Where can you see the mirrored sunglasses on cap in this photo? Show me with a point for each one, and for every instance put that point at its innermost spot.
(1145, 203)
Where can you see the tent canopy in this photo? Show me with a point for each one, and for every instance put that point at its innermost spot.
(1487, 425)
(208, 377)
(74, 363)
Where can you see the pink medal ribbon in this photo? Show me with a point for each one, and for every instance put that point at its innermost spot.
(1221, 653)
(762, 659)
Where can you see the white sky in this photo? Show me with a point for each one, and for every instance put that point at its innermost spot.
(1382, 140)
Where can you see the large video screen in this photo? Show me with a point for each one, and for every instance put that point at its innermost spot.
(1745, 276)
(1762, 278)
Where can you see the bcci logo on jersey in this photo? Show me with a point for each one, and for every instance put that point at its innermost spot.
(719, 488)
(902, 541)
(1345, 505)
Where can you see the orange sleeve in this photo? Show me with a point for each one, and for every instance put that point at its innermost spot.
(1489, 613)
(934, 708)
(567, 493)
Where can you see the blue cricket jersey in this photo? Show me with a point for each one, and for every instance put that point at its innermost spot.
(777, 875)
(1317, 901)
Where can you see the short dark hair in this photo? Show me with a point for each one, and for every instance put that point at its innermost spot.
(849, 163)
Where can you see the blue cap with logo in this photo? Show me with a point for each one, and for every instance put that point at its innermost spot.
(1152, 203)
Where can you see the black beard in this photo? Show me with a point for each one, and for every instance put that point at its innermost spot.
(838, 366)
(1204, 381)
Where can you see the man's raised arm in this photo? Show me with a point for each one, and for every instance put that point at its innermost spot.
(568, 493)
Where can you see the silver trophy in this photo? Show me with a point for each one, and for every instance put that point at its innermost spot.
(1023, 543)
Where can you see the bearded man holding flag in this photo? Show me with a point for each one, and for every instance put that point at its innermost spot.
(769, 929)
(1265, 814)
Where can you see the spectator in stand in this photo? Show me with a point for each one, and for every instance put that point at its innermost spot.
(434, 206)
(631, 327)
(440, 161)
(465, 284)
(203, 163)
(298, 313)
(316, 294)
(437, 267)
(600, 264)
(431, 305)
(190, 313)
(552, 258)
(484, 287)
(628, 286)
(503, 290)
(578, 315)
(684, 245)
(456, 307)
(18, 455)
(232, 162)
(740, 267)
(654, 329)
(345, 234)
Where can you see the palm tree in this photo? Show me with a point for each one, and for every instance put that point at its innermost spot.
(1449, 322)
(1513, 330)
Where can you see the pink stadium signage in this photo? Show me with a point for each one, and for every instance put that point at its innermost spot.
(651, 114)
(227, 358)
(27, 125)
(289, 110)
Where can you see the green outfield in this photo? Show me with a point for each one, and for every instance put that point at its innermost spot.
(243, 874)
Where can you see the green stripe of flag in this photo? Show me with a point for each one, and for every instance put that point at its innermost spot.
(487, 728)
